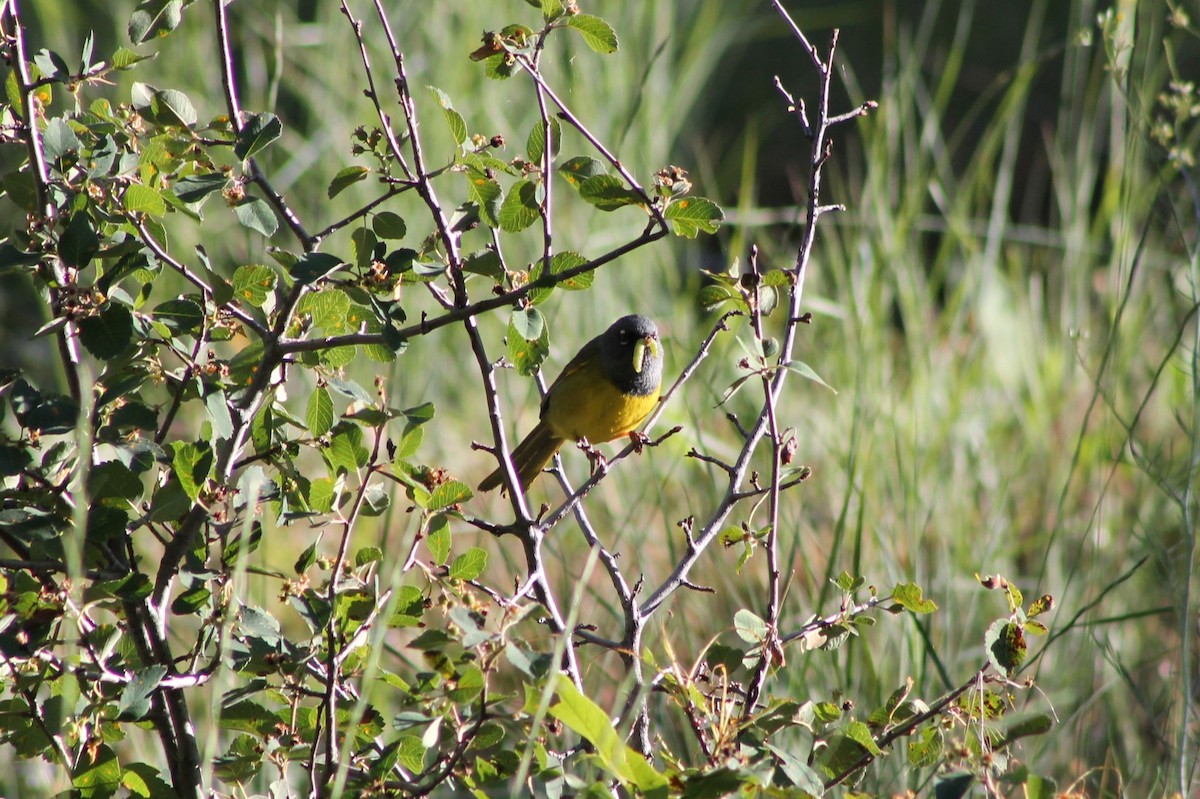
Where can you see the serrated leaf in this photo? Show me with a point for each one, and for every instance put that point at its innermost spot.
(195, 188)
(607, 193)
(535, 144)
(860, 733)
(596, 33)
(124, 58)
(578, 169)
(925, 748)
(1005, 646)
(154, 18)
(388, 225)
(750, 627)
(469, 564)
(447, 494)
(192, 464)
(98, 775)
(253, 283)
(528, 340)
(171, 106)
(559, 263)
(713, 296)
(485, 192)
(141, 199)
(79, 242)
(520, 208)
(690, 216)
(259, 131)
(911, 597)
(59, 140)
(318, 417)
(108, 333)
(346, 178)
(368, 555)
(313, 265)
(458, 126)
(255, 214)
(439, 539)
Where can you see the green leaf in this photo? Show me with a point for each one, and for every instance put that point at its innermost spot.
(469, 564)
(484, 262)
(124, 58)
(587, 719)
(520, 208)
(544, 286)
(255, 214)
(860, 733)
(806, 371)
(714, 295)
(690, 216)
(345, 178)
(750, 627)
(59, 140)
(909, 595)
(259, 131)
(458, 127)
(190, 601)
(79, 242)
(346, 450)
(1005, 645)
(135, 698)
(535, 144)
(607, 193)
(439, 539)
(925, 748)
(485, 192)
(313, 265)
(319, 415)
(171, 106)
(388, 225)
(363, 242)
(1038, 787)
(307, 558)
(20, 188)
(528, 340)
(192, 463)
(195, 188)
(1025, 725)
(98, 775)
(597, 34)
(449, 493)
(411, 753)
(154, 18)
(108, 333)
(954, 785)
(1039, 606)
(253, 283)
(180, 316)
(578, 169)
(145, 781)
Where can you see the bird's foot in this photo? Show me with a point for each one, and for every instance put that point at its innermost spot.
(595, 457)
(639, 440)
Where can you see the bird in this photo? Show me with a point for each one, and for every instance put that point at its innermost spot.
(604, 392)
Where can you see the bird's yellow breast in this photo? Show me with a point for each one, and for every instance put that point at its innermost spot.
(587, 405)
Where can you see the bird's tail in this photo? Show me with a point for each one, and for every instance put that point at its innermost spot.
(529, 458)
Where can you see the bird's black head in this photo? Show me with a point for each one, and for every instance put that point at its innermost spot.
(632, 354)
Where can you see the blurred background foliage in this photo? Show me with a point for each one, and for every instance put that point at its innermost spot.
(1006, 308)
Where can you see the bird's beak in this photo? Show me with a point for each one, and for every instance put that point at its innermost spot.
(639, 352)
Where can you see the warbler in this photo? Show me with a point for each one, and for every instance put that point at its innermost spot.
(603, 393)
